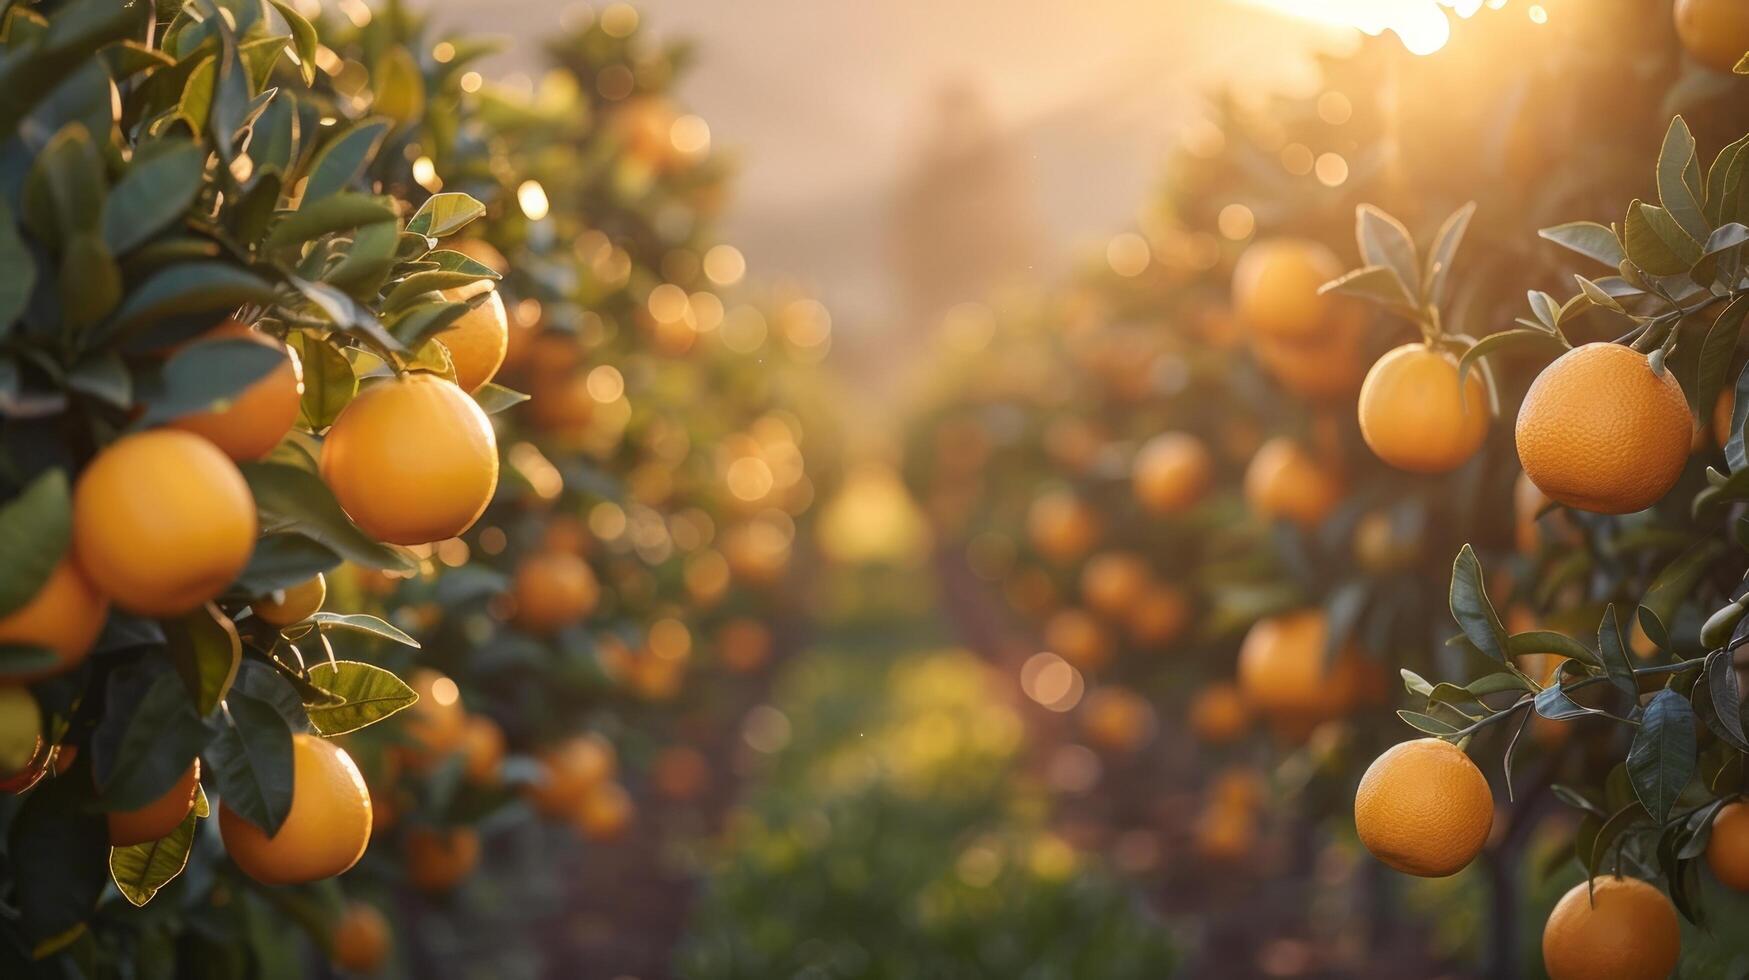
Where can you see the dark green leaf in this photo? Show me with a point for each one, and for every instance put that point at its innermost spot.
(336, 212)
(1472, 609)
(343, 158)
(1589, 239)
(20, 277)
(36, 528)
(207, 376)
(1662, 758)
(1679, 189)
(149, 734)
(1615, 656)
(251, 760)
(193, 287)
(206, 650)
(292, 499)
(281, 561)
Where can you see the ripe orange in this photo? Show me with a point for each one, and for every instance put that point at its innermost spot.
(162, 522)
(257, 419)
(1284, 670)
(553, 590)
(1219, 714)
(561, 403)
(1077, 637)
(1599, 431)
(482, 749)
(436, 724)
(743, 644)
(1715, 32)
(1061, 526)
(1727, 850)
(1117, 719)
(412, 460)
(681, 773)
(1321, 366)
(1112, 582)
(65, 616)
(438, 859)
(1620, 928)
(1379, 548)
(1286, 482)
(296, 604)
(1226, 832)
(1723, 409)
(1171, 472)
(361, 939)
(159, 817)
(605, 813)
(1275, 286)
(326, 831)
(1424, 808)
(571, 770)
(1414, 415)
(1158, 616)
(477, 341)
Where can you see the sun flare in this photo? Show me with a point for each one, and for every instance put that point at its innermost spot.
(1423, 25)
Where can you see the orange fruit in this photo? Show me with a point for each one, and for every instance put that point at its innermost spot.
(478, 339)
(1117, 719)
(561, 404)
(570, 771)
(162, 522)
(1598, 430)
(1238, 787)
(482, 749)
(605, 813)
(1219, 714)
(1112, 582)
(1275, 286)
(1285, 482)
(65, 616)
(249, 426)
(1061, 526)
(412, 460)
(1285, 671)
(566, 532)
(553, 590)
(1715, 32)
(1226, 833)
(1171, 472)
(1158, 616)
(1378, 547)
(326, 831)
(1077, 637)
(743, 644)
(1415, 416)
(1727, 849)
(438, 859)
(295, 604)
(1321, 366)
(680, 773)
(437, 723)
(361, 939)
(1424, 808)
(159, 817)
(1618, 928)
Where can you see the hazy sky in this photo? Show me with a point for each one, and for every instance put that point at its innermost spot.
(820, 102)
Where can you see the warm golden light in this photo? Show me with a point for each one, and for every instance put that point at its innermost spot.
(1422, 25)
(533, 198)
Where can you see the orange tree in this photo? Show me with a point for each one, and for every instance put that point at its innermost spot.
(1374, 454)
(244, 383)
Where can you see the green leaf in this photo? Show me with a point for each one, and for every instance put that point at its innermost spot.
(206, 651)
(369, 695)
(1661, 760)
(494, 398)
(1553, 702)
(57, 845)
(1549, 641)
(1716, 354)
(1726, 718)
(1679, 188)
(347, 314)
(1501, 341)
(1723, 180)
(1444, 251)
(414, 326)
(362, 623)
(444, 214)
(90, 281)
(1589, 239)
(79, 30)
(1675, 583)
(328, 380)
(1377, 283)
(141, 869)
(20, 661)
(1385, 242)
(343, 158)
(1421, 721)
(368, 260)
(292, 499)
(399, 87)
(149, 734)
(1614, 654)
(336, 212)
(20, 277)
(36, 528)
(214, 287)
(251, 761)
(303, 39)
(1472, 609)
(1656, 243)
(207, 376)
(281, 561)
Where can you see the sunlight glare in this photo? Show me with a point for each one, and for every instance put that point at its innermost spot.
(1422, 25)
